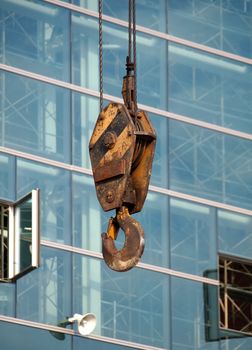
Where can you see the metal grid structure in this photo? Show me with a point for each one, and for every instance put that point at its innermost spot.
(235, 294)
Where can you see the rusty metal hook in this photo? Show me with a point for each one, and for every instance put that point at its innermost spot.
(126, 258)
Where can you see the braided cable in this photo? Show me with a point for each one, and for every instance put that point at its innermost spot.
(100, 55)
(130, 30)
(134, 48)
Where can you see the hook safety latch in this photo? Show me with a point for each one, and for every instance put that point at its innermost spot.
(130, 254)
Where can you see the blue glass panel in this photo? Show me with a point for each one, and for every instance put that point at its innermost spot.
(88, 4)
(89, 221)
(54, 185)
(193, 237)
(239, 344)
(202, 86)
(211, 165)
(36, 37)
(7, 177)
(210, 88)
(35, 117)
(44, 295)
(155, 222)
(80, 343)
(7, 299)
(85, 114)
(151, 14)
(235, 233)
(160, 167)
(85, 61)
(188, 316)
(224, 25)
(133, 306)
(20, 337)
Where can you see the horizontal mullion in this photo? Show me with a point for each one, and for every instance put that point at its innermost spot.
(52, 328)
(141, 265)
(86, 171)
(93, 93)
(154, 33)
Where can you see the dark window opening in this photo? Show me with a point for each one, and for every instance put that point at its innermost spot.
(235, 294)
(4, 230)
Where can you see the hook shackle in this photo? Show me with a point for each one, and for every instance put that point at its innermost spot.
(126, 258)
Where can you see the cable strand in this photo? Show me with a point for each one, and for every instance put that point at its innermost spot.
(100, 55)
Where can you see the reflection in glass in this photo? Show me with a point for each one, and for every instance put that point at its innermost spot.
(188, 316)
(209, 88)
(44, 295)
(35, 37)
(85, 112)
(7, 176)
(192, 235)
(54, 185)
(35, 117)
(7, 299)
(210, 164)
(224, 25)
(235, 233)
(123, 308)
(28, 338)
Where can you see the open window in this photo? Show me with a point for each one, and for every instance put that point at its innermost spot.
(19, 236)
(228, 308)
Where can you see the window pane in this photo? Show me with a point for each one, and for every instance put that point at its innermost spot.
(7, 177)
(85, 61)
(89, 220)
(151, 13)
(210, 164)
(54, 185)
(44, 295)
(80, 343)
(7, 299)
(210, 88)
(123, 308)
(85, 114)
(28, 338)
(35, 117)
(188, 316)
(36, 37)
(235, 233)
(23, 235)
(193, 237)
(224, 25)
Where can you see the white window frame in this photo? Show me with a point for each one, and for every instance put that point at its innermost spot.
(14, 271)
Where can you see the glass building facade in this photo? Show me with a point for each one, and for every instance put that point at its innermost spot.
(194, 76)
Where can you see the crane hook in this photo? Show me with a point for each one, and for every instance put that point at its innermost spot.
(126, 258)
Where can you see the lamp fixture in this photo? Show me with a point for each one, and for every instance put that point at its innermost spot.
(86, 324)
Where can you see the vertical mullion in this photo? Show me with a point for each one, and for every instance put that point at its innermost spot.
(11, 243)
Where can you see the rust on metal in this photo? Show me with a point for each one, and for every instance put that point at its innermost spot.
(130, 254)
(121, 151)
(109, 170)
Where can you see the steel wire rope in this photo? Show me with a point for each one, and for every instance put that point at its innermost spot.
(100, 55)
